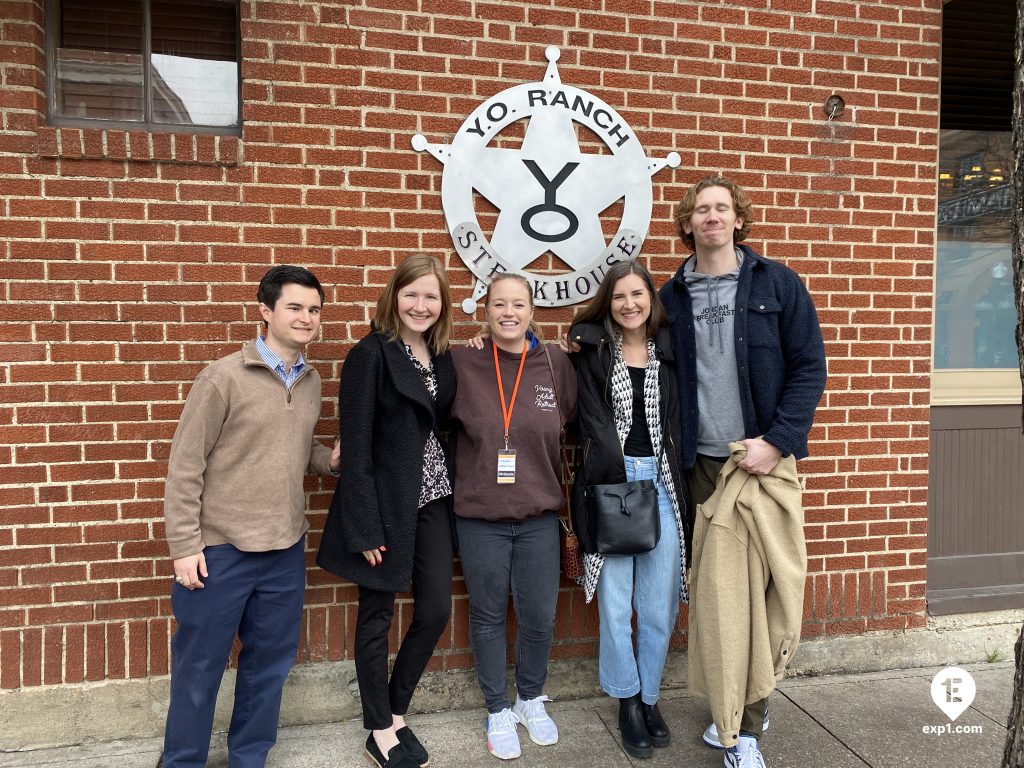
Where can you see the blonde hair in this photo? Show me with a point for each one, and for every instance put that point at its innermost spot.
(534, 328)
(741, 203)
(412, 269)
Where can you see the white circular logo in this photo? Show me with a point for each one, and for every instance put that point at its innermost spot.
(953, 690)
(549, 193)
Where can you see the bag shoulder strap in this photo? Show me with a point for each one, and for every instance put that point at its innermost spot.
(554, 384)
(567, 473)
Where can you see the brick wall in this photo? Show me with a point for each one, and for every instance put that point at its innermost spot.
(128, 260)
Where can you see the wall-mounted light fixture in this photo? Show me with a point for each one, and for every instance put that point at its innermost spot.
(834, 106)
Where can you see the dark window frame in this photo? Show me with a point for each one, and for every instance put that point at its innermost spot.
(147, 124)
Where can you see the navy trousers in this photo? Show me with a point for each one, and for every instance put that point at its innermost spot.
(258, 596)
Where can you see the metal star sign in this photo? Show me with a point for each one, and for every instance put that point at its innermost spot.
(549, 193)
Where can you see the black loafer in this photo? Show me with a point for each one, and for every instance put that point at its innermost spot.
(413, 746)
(398, 757)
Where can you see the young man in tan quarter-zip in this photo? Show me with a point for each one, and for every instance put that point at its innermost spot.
(234, 507)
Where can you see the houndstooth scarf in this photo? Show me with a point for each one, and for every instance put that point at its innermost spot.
(622, 407)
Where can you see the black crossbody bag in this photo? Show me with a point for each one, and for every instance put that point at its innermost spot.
(624, 517)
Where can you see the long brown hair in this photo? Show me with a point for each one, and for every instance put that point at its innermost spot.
(599, 310)
(741, 203)
(412, 269)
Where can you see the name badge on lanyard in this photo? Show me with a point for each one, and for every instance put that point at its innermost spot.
(506, 466)
(506, 455)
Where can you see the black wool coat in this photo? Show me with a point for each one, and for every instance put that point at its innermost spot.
(386, 416)
(599, 457)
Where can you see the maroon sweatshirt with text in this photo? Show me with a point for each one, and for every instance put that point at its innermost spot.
(478, 429)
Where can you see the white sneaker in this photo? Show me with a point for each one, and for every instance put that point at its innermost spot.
(502, 739)
(539, 725)
(711, 735)
(746, 754)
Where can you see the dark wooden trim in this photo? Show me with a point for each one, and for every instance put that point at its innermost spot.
(950, 601)
(975, 417)
(51, 11)
(975, 527)
(962, 584)
(147, 63)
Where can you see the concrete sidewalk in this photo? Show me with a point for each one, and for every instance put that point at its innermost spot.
(841, 721)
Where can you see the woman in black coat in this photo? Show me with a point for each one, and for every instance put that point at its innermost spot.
(389, 522)
(628, 421)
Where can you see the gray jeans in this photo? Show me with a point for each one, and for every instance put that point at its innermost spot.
(522, 556)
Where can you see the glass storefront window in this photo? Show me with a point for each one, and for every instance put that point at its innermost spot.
(974, 315)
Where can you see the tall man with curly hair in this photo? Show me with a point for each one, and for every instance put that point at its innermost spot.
(751, 372)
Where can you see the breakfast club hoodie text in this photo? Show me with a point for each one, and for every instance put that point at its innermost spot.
(718, 393)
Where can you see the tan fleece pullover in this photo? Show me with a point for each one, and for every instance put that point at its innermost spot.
(241, 449)
(747, 588)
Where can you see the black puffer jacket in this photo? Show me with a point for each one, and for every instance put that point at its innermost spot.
(599, 455)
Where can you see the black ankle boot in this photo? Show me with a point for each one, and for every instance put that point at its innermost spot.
(657, 728)
(635, 739)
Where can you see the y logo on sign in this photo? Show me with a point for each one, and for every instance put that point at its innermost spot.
(953, 691)
(550, 194)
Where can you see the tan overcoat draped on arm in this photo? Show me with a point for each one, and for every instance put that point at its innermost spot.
(747, 588)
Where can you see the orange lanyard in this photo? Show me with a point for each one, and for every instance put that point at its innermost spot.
(506, 413)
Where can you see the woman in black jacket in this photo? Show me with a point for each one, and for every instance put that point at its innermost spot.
(389, 522)
(629, 430)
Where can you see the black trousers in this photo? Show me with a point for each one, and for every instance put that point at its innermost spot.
(700, 484)
(432, 605)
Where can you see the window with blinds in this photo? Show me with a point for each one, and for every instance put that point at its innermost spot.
(168, 66)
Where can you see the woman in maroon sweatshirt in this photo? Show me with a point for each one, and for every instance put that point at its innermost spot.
(513, 397)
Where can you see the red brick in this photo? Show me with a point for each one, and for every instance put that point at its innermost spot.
(115, 656)
(11, 653)
(165, 283)
(95, 655)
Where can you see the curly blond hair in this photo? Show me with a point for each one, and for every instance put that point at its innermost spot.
(740, 202)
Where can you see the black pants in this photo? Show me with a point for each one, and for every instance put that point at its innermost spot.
(700, 484)
(432, 605)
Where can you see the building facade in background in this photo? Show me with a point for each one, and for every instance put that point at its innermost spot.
(156, 157)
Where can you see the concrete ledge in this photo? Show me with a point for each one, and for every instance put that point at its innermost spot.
(947, 640)
(49, 716)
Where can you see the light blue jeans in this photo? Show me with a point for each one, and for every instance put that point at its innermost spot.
(648, 584)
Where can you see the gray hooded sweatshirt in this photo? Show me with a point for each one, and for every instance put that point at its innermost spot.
(718, 391)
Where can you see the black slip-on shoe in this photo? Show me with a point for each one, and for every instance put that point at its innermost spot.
(398, 757)
(413, 746)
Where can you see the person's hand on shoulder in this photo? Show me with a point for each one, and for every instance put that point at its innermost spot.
(567, 345)
(478, 341)
(335, 464)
